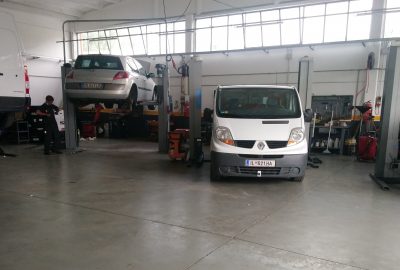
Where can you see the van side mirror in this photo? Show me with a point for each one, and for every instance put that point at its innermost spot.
(150, 75)
(308, 115)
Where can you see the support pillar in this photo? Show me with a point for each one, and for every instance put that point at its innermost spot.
(163, 114)
(305, 81)
(386, 167)
(71, 135)
(195, 78)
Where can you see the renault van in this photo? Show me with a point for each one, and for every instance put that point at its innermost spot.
(14, 81)
(258, 131)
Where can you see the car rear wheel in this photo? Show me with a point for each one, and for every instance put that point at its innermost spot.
(157, 94)
(131, 102)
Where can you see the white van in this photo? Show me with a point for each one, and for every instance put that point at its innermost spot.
(258, 131)
(14, 81)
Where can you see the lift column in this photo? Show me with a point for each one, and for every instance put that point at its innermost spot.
(304, 86)
(305, 81)
(195, 75)
(387, 165)
(71, 136)
(163, 114)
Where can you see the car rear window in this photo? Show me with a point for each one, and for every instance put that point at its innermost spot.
(98, 62)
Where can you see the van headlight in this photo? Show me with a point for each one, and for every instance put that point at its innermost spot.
(296, 136)
(224, 135)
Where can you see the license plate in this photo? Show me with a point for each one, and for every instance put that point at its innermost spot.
(260, 163)
(92, 85)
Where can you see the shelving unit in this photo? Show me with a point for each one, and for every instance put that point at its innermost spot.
(337, 132)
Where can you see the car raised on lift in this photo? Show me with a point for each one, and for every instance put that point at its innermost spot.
(110, 79)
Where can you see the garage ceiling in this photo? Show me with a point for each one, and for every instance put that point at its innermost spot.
(77, 8)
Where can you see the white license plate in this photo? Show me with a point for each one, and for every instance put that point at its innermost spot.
(92, 85)
(260, 163)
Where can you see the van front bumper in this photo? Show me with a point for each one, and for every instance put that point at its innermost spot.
(286, 166)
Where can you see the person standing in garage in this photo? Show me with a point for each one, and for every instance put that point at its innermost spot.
(49, 110)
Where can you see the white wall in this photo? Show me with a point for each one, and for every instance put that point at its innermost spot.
(39, 34)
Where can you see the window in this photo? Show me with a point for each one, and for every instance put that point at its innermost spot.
(392, 20)
(335, 28)
(253, 30)
(359, 27)
(313, 30)
(98, 62)
(271, 28)
(308, 24)
(138, 38)
(337, 8)
(83, 45)
(312, 25)
(203, 35)
(179, 37)
(290, 32)
(258, 103)
(219, 33)
(315, 10)
(93, 42)
(125, 41)
(153, 39)
(344, 20)
(290, 27)
(235, 32)
(359, 24)
(141, 69)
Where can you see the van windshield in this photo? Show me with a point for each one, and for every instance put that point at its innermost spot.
(98, 62)
(258, 103)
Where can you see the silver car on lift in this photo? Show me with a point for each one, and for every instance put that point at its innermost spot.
(110, 79)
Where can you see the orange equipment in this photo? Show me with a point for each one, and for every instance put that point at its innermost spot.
(179, 144)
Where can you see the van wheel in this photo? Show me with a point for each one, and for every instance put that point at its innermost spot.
(297, 179)
(215, 175)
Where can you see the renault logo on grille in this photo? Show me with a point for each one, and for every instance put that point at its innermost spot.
(261, 145)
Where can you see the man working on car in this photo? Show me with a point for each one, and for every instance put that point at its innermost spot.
(48, 110)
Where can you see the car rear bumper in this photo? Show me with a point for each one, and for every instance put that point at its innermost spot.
(97, 94)
(286, 166)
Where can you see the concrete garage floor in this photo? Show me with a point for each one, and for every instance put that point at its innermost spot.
(121, 205)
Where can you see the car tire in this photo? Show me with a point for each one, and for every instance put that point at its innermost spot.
(297, 179)
(215, 175)
(157, 94)
(131, 102)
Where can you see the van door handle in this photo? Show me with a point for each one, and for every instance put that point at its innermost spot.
(1, 74)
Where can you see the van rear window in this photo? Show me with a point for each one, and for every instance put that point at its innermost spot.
(98, 62)
(258, 103)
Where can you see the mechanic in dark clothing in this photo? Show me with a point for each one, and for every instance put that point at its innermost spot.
(51, 129)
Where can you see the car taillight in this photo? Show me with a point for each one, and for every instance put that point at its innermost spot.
(70, 75)
(27, 88)
(121, 75)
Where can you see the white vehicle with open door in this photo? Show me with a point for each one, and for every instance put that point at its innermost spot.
(14, 81)
(258, 131)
